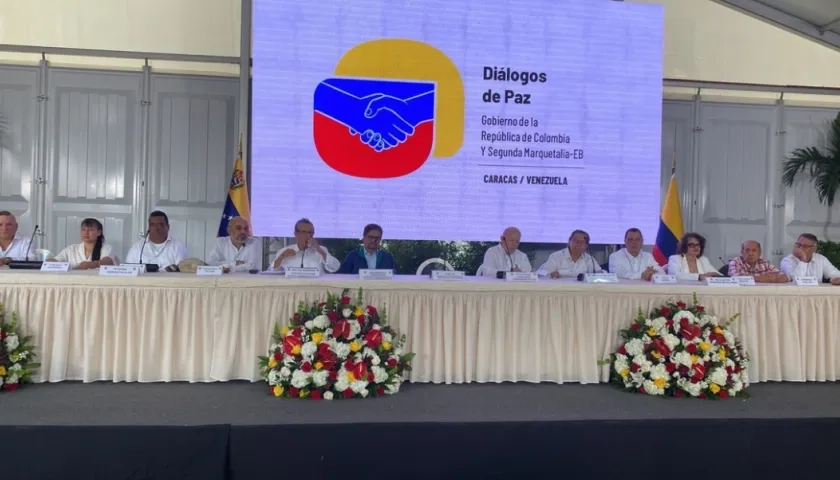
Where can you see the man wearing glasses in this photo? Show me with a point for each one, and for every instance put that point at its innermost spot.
(306, 252)
(369, 255)
(806, 262)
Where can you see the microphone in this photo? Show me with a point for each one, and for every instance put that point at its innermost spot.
(26, 263)
(303, 254)
(581, 276)
(501, 274)
(145, 239)
(721, 260)
(29, 247)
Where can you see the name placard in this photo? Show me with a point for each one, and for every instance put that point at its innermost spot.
(664, 279)
(55, 267)
(302, 272)
(141, 267)
(120, 270)
(600, 278)
(374, 274)
(806, 281)
(744, 280)
(722, 282)
(521, 276)
(207, 270)
(448, 275)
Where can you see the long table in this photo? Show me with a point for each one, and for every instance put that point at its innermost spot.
(178, 327)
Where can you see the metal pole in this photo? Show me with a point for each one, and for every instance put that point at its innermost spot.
(42, 156)
(751, 87)
(244, 124)
(88, 52)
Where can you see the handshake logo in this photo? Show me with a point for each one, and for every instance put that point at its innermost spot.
(372, 127)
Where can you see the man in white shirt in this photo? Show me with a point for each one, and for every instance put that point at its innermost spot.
(12, 245)
(306, 252)
(631, 262)
(572, 260)
(158, 247)
(806, 262)
(239, 250)
(506, 256)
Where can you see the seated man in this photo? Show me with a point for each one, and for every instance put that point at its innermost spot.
(806, 262)
(369, 255)
(750, 264)
(631, 262)
(506, 256)
(306, 252)
(157, 247)
(239, 249)
(12, 245)
(572, 260)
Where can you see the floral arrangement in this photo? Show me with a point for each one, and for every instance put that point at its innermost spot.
(681, 350)
(338, 348)
(16, 354)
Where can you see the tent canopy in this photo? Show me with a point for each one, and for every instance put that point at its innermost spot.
(818, 20)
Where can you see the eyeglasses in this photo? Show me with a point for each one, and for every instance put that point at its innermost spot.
(692, 245)
(306, 232)
(806, 247)
(373, 238)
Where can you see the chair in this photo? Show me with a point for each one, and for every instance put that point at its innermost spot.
(480, 270)
(605, 267)
(724, 270)
(433, 264)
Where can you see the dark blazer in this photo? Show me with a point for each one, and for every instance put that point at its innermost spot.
(356, 261)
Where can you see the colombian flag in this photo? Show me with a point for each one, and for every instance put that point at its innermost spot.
(237, 203)
(670, 223)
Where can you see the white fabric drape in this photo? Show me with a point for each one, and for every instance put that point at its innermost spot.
(178, 327)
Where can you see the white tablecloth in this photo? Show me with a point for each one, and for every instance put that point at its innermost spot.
(178, 327)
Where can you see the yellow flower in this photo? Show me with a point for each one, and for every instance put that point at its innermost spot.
(659, 382)
(386, 345)
(714, 387)
(317, 337)
(718, 330)
(284, 331)
(2, 370)
(655, 354)
(694, 359)
(319, 365)
(624, 372)
(705, 346)
(278, 390)
(296, 350)
(355, 346)
(651, 331)
(303, 393)
(359, 311)
(722, 354)
(272, 362)
(350, 377)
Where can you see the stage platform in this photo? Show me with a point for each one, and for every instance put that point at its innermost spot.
(238, 431)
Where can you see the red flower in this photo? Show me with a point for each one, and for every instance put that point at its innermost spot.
(297, 332)
(634, 367)
(332, 315)
(315, 394)
(730, 370)
(641, 389)
(348, 393)
(669, 323)
(289, 344)
(681, 305)
(691, 348)
(278, 357)
(3, 335)
(722, 393)
(296, 317)
(678, 393)
(622, 350)
(664, 311)
(699, 373)
(371, 310)
(360, 370)
(371, 377)
(380, 391)
(345, 300)
(322, 304)
(670, 367)
(11, 386)
(328, 363)
(661, 347)
(683, 370)
(690, 332)
(341, 329)
(702, 395)
(271, 390)
(392, 362)
(306, 367)
(293, 392)
(373, 338)
(333, 375)
(361, 319)
(635, 327)
(348, 364)
(700, 308)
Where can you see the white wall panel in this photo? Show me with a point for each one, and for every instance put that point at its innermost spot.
(194, 140)
(92, 155)
(735, 147)
(18, 111)
(806, 127)
(677, 141)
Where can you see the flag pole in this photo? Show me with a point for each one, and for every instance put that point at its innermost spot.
(674, 154)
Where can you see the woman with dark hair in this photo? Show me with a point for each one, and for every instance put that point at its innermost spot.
(689, 262)
(92, 252)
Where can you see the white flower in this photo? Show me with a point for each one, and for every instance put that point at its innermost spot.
(658, 371)
(309, 324)
(320, 377)
(341, 382)
(684, 314)
(355, 329)
(364, 393)
(346, 312)
(659, 323)
(321, 321)
(682, 358)
(387, 337)
(12, 343)
(652, 389)
(671, 341)
(392, 388)
(380, 375)
(634, 347)
(1, 381)
(730, 338)
(377, 327)
(718, 376)
(375, 360)
(273, 377)
(308, 349)
(328, 395)
(299, 379)
(359, 386)
(642, 362)
(12, 379)
(285, 372)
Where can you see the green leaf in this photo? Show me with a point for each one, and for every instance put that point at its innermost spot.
(823, 167)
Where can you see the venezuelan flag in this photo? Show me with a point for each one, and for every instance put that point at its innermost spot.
(670, 223)
(237, 203)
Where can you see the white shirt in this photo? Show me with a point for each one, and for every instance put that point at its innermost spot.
(560, 261)
(75, 254)
(17, 249)
(497, 260)
(311, 259)
(225, 253)
(625, 265)
(819, 267)
(677, 265)
(170, 252)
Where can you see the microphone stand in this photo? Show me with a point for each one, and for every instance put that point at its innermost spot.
(26, 263)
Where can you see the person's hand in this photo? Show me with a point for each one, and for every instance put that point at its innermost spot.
(647, 275)
(555, 275)
(85, 266)
(240, 262)
(709, 274)
(289, 252)
(799, 253)
(835, 281)
(5, 260)
(516, 269)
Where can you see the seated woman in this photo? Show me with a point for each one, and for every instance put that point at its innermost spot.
(92, 252)
(689, 262)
